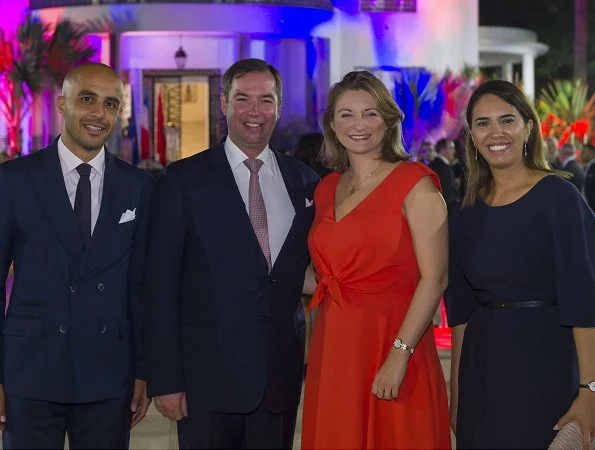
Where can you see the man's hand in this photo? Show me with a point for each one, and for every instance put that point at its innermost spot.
(2, 409)
(140, 402)
(172, 406)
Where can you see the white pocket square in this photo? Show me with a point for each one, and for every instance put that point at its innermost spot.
(127, 216)
(309, 202)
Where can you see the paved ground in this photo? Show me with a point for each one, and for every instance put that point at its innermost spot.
(156, 432)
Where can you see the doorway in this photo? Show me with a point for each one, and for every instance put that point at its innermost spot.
(184, 113)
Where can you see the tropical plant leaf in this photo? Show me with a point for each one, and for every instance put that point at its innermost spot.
(564, 98)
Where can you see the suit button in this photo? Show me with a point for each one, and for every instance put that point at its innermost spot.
(73, 288)
(63, 328)
(263, 319)
(271, 280)
(102, 329)
(100, 287)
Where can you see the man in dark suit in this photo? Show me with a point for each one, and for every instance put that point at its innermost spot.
(224, 278)
(445, 154)
(552, 152)
(569, 164)
(588, 158)
(75, 222)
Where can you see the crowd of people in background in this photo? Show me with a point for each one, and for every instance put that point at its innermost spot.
(447, 158)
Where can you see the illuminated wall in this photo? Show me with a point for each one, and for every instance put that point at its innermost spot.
(441, 34)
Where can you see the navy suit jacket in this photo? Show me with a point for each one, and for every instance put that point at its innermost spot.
(72, 329)
(447, 181)
(218, 326)
(578, 174)
(590, 186)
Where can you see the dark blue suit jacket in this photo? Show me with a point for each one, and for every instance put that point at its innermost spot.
(218, 326)
(72, 330)
(590, 186)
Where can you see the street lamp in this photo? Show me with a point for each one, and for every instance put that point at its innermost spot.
(180, 56)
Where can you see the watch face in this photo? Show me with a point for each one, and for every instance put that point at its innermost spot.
(592, 386)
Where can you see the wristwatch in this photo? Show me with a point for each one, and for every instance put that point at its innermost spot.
(590, 385)
(399, 345)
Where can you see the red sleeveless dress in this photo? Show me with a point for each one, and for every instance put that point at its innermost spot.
(368, 274)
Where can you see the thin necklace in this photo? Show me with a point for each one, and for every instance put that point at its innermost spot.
(356, 186)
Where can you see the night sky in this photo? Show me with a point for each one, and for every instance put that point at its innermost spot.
(553, 21)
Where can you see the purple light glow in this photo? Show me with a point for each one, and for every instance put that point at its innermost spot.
(12, 13)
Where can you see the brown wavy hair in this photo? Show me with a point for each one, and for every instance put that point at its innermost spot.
(334, 154)
(479, 175)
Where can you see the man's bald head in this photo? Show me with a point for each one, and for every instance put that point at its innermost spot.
(75, 76)
(91, 102)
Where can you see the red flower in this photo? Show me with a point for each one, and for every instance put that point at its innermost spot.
(6, 57)
(580, 129)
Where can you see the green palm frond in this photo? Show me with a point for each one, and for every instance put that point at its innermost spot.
(43, 57)
(564, 98)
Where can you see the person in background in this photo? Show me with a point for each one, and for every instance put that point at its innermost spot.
(552, 152)
(379, 249)
(588, 158)
(569, 163)
(460, 168)
(425, 153)
(521, 285)
(441, 164)
(225, 272)
(75, 221)
(307, 150)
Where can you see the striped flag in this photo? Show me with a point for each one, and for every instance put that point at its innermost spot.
(145, 136)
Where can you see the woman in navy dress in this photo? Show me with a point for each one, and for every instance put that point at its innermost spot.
(521, 295)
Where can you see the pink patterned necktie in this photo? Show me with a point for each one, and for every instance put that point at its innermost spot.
(257, 210)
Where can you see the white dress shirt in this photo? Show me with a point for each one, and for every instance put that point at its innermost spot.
(443, 158)
(572, 158)
(69, 162)
(280, 211)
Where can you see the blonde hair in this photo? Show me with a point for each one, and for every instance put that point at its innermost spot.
(334, 154)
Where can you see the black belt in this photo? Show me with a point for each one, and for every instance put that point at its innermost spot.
(489, 300)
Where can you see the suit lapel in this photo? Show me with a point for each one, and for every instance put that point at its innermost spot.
(294, 187)
(51, 189)
(223, 176)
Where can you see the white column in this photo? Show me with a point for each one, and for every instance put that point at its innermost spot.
(243, 43)
(507, 72)
(529, 75)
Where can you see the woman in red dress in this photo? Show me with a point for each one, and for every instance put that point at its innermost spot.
(379, 249)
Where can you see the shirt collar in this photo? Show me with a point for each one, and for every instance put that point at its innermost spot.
(443, 158)
(69, 161)
(572, 158)
(236, 157)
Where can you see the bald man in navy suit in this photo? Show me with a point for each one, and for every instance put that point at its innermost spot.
(74, 220)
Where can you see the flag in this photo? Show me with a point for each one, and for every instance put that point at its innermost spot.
(145, 136)
(160, 130)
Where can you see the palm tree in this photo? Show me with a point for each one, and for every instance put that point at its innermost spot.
(36, 60)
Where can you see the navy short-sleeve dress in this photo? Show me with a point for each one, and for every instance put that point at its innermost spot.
(518, 372)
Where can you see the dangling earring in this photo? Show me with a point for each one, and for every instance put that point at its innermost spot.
(525, 152)
(475, 153)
